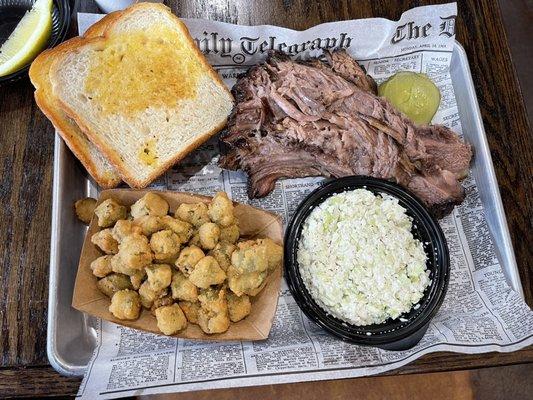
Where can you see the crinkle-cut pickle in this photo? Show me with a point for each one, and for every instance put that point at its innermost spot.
(412, 93)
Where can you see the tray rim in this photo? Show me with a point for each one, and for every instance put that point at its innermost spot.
(59, 146)
(55, 361)
(515, 282)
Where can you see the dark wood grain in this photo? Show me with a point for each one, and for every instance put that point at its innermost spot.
(35, 382)
(510, 382)
(26, 144)
(26, 148)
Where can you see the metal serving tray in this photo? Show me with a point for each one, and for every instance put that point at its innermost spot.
(72, 334)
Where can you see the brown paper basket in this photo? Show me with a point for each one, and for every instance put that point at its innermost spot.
(253, 223)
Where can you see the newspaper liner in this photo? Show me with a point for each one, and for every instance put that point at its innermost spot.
(253, 223)
(481, 312)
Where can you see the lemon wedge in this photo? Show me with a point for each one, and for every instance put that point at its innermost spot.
(28, 38)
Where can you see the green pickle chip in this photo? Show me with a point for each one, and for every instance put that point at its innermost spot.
(413, 94)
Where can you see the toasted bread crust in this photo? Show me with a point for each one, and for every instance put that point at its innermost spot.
(81, 153)
(113, 157)
(99, 28)
(66, 128)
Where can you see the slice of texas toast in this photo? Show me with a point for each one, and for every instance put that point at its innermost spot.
(102, 171)
(143, 93)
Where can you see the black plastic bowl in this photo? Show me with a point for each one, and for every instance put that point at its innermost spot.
(11, 12)
(407, 330)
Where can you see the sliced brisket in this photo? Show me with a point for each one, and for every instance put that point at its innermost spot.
(323, 118)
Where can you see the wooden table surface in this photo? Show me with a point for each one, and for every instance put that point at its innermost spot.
(26, 154)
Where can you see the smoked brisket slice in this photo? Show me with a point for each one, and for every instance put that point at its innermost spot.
(314, 118)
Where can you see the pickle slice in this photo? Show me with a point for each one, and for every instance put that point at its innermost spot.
(413, 94)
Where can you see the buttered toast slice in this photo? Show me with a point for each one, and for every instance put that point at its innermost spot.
(102, 171)
(143, 93)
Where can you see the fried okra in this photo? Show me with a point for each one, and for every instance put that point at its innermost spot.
(210, 290)
(209, 235)
(160, 302)
(222, 253)
(138, 278)
(123, 228)
(109, 212)
(207, 272)
(182, 288)
(190, 309)
(159, 276)
(134, 253)
(183, 229)
(113, 283)
(85, 209)
(119, 267)
(221, 210)
(170, 319)
(188, 258)
(148, 294)
(238, 306)
(274, 253)
(195, 214)
(149, 204)
(250, 257)
(165, 245)
(101, 266)
(249, 283)
(250, 264)
(105, 241)
(149, 224)
(195, 239)
(213, 316)
(229, 234)
(125, 304)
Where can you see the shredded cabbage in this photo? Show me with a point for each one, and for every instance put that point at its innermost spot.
(359, 260)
